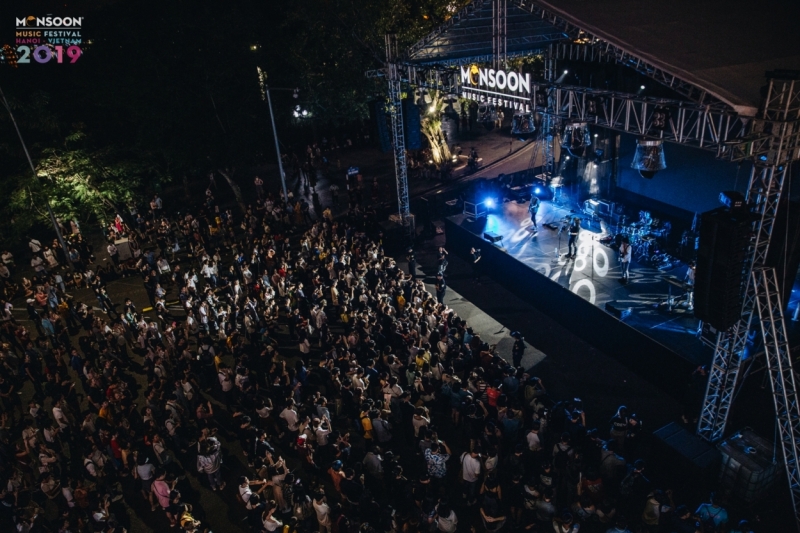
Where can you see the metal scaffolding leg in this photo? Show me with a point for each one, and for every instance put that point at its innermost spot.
(766, 184)
(780, 113)
(499, 34)
(781, 374)
(395, 110)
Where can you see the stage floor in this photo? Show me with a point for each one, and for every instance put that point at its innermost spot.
(595, 273)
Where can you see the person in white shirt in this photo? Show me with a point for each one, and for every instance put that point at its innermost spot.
(323, 511)
(113, 253)
(61, 418)
(534, 443)
(323, 428)
(625, 251)
(37, 264)
(471, 474)
(35, 246)
(292, 419)
(245, 492)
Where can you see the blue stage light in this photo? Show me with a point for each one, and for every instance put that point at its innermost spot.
(537, 190)
(489, 203)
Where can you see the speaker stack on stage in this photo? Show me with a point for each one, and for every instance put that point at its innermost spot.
(720, 276)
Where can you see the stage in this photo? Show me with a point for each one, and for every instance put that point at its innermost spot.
(576, 291)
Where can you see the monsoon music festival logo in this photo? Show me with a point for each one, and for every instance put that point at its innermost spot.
(46, 39)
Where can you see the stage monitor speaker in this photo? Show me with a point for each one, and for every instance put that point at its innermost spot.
(384, 138)
(720, 277)
(618, 311)
(492, 237)
(412, 125)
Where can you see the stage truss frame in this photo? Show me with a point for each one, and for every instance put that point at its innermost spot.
(771, 139)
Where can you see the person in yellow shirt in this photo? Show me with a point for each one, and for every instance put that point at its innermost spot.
(401, 301)
(422, 357)
(366, 424)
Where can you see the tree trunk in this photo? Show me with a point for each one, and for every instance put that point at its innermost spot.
(237, 192)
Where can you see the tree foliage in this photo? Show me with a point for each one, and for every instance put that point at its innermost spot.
(169, 89)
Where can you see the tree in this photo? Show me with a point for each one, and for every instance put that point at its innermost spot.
(431, 127)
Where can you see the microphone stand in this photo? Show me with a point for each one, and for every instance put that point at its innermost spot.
(558, 250)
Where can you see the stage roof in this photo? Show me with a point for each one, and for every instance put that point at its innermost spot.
(722, 46)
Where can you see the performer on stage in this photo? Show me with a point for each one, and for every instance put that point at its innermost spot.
(533, 209)
(689, 279)
(441, 260)
(476, 267)
(625, 257)
(574, 231)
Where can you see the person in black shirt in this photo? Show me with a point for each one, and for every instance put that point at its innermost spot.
(412, 263)
(574, 231)
(533, 209)
(352, 487)
(476, 266)
(518, 349)
(441, 288)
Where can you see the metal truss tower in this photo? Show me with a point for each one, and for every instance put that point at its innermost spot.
(780, 118)
(395, 110)
(499, 33)
(781, 374)
(548, 125)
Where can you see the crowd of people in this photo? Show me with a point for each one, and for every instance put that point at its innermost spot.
(291, 345)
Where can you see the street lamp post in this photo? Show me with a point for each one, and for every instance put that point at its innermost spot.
(262, 78)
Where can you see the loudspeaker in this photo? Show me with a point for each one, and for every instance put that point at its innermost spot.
(618, 311)
(492, 237)
(411, 125)
(378, 109)
(681, 459)
(720, 277)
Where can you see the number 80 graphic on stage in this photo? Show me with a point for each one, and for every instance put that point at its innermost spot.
(44, 54)
(587, 250)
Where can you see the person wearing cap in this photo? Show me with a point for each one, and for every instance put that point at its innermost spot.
(337, 475)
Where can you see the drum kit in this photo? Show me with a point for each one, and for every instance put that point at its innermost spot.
(646, 237)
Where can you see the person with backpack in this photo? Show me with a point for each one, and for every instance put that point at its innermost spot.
(209, 462)
(206, 355)
(563, 453)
